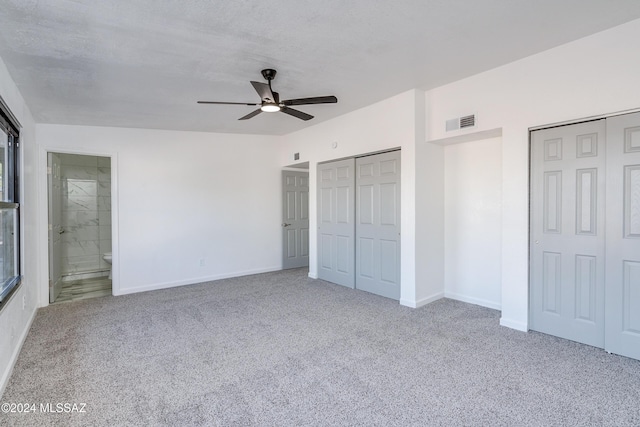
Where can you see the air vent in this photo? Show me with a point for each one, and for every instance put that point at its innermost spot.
(467, 121)
(461, 122)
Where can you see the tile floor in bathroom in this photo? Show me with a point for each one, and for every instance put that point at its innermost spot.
(84, 288)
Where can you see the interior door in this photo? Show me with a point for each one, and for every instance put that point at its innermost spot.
(378, 224)
(55, 225)
(295, 219)
(336, 230)
(623, 236)
(568, 232)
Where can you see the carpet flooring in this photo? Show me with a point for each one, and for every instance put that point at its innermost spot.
(280, 349)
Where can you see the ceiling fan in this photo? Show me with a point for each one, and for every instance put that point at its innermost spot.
(270, 100)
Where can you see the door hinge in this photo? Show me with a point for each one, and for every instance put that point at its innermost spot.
(48, 170)
(50, 227)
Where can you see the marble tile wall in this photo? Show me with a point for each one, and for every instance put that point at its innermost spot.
(86, 213)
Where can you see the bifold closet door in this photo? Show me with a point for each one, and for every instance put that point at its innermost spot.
(568, 232)
(378, 224)
(336, 230)
(623, 236)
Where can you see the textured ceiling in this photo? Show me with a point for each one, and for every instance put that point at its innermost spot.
(145, 63)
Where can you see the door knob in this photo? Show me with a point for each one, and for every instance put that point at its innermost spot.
(285, 224)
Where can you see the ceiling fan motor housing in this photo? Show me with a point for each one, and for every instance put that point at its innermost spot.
(269, 74)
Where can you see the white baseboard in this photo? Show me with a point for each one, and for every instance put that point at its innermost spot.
(421, 302)
(194, 281)
(514, 324)
(313, 275)
(472, 300)
(16, 352)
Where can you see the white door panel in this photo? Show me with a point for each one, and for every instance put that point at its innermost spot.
(623, 236)
(567, 232)
(336, 231)
(295, 219)
(585, 271)
(378, 224)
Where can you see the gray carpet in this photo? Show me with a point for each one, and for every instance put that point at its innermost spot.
(280, 349)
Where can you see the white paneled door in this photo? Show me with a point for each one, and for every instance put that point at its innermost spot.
(378, 224)
(585, 233)
(359, 223)
(295, 219)
(623, 236)
(336, 229)
(567, 232)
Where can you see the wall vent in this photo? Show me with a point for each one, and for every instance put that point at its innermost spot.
(467, 121)
(461, 122)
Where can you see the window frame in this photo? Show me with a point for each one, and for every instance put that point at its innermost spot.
(10, 125)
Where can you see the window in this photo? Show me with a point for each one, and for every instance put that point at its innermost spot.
(9, 203)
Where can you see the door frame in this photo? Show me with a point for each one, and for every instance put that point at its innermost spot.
(42, 226)
(54, 286)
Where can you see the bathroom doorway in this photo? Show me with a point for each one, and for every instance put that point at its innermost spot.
(79, 201)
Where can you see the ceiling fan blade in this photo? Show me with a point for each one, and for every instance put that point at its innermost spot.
(296, 113)
(309, 101)
(264, 91)
(225, 103)
(251, 114)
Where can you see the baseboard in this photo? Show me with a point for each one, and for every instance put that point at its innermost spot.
(421, 302)
(195, 281)
(514, 324)
(312, 275)
(16, 352)
(472, 300)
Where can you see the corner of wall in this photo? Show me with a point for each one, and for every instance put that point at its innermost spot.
(514, 324)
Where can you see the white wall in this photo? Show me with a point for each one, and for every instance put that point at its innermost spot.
(15, 319)
(473, 222)
(591, 76)
(394, 122)
(178, 198)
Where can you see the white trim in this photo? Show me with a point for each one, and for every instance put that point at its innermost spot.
(6, 375)
(584, 119)
(422, 302)
(468, 137)
(312, 275)
(514, 324)
(43, 221)
(471, 300)
(195, 281)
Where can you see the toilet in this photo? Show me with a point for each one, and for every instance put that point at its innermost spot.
(107, 258)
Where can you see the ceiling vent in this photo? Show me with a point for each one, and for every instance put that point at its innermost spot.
(461, 122)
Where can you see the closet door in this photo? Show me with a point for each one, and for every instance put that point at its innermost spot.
(336, 230)
(378, 224)
(623, 236)
(568, 232)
